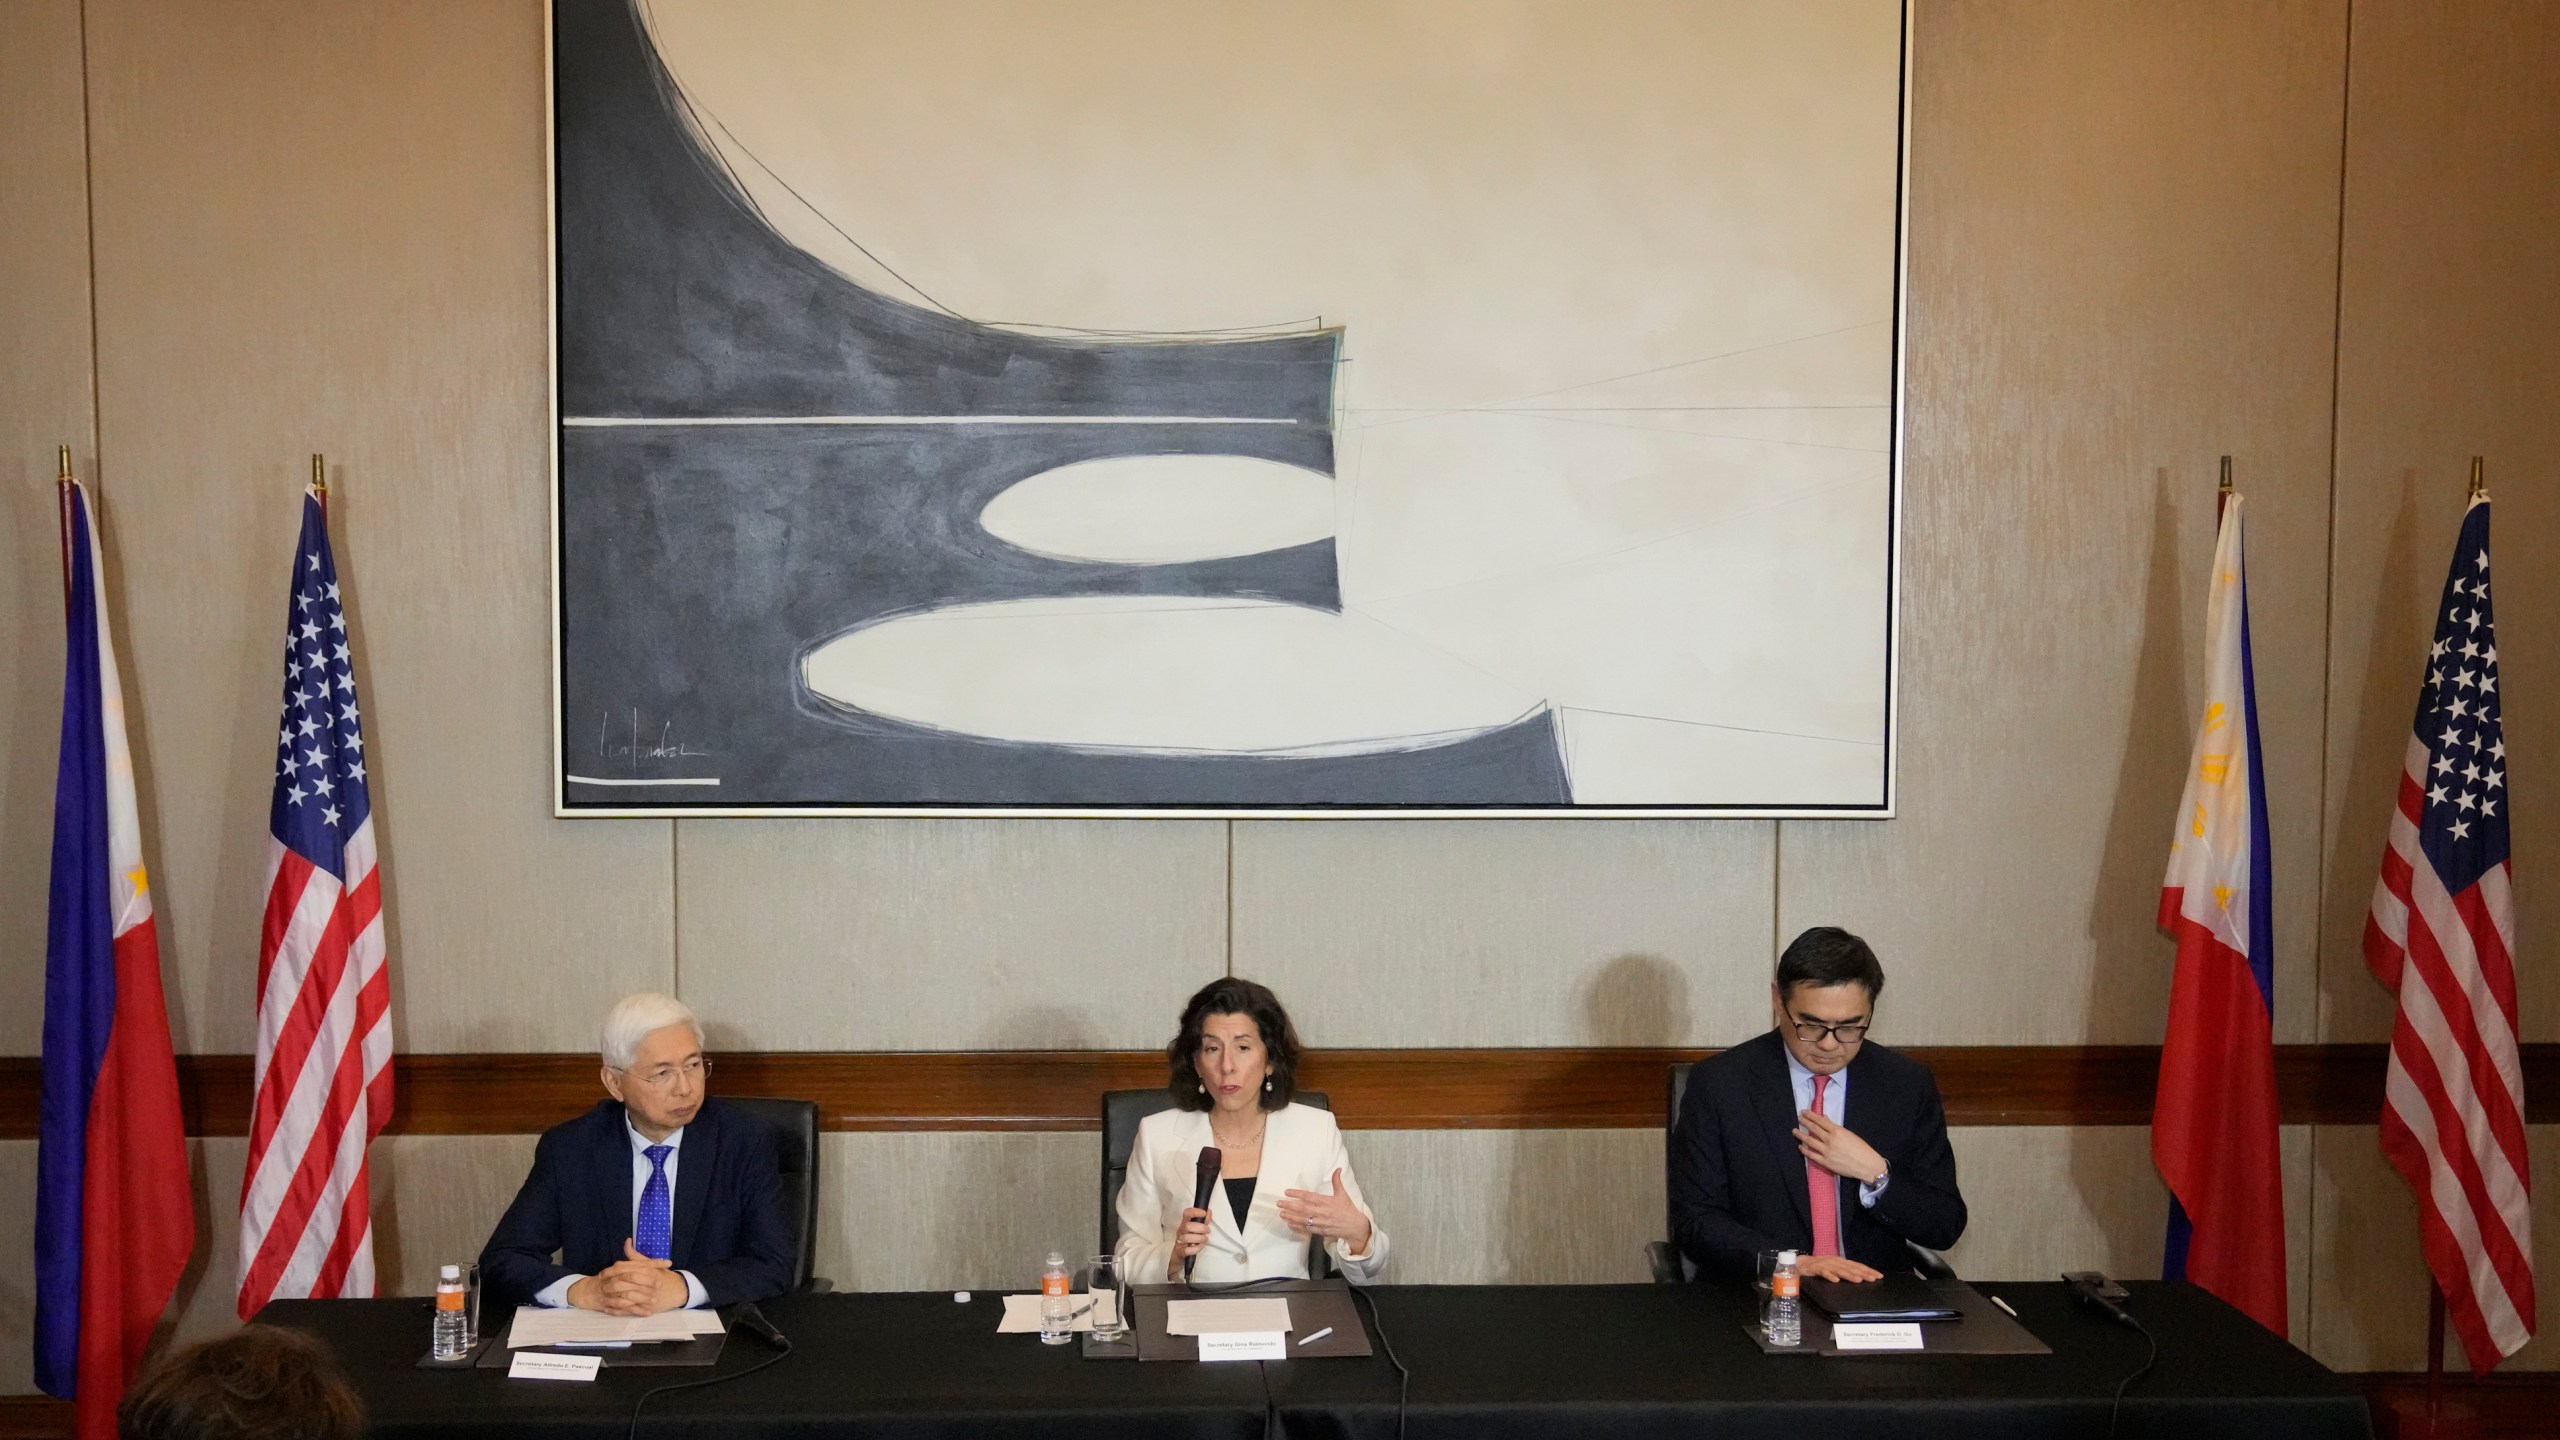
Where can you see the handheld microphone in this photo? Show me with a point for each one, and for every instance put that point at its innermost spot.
(1202, 1184)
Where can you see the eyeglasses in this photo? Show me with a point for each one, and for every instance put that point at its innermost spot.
(1848, 1033)
(664, 1076)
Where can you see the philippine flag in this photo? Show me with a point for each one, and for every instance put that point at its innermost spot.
(114, 1218)
(2213, 1123)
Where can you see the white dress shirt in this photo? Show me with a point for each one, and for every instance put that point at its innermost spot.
(1835, 1103)
(556, 1294)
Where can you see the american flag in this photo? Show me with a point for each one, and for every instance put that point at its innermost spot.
(2442, 936)
(323, 1079)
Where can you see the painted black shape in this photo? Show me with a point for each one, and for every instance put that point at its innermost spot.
(701, 565)
(676, 299)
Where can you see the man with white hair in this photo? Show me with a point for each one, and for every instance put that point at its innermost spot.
(658, 1198)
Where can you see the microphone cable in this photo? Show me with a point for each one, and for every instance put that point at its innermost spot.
(1229, 1287)
(2115, 1411)
(1404, 1377)
(749, 1318)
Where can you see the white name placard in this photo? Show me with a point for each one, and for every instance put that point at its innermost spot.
(1246, 1345)
(1904, 1336)
(534, 1365)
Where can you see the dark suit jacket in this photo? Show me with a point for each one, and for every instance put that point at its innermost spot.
(1738, 1181)
(729, 1228)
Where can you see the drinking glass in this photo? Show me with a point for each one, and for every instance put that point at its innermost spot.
(1763, 1265)
(1108, 1297)
(470, 1303)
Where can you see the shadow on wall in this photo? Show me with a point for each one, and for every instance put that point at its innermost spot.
(2352, 1006)
(203, 1266)
(1048, 1027)
(1553, 1231)
(2130, 960)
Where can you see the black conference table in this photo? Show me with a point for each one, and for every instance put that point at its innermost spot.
(1485, 1361)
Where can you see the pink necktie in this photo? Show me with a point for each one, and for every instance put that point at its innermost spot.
(1825, 1188)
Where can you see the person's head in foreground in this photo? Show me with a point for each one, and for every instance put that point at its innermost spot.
(261, 1382)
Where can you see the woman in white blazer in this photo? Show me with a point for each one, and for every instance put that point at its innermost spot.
(1284, 1174)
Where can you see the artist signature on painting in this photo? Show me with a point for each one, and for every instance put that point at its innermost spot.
(625, 737)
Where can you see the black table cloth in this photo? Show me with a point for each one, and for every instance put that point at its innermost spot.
(1486, 1361)
(1663, 1360)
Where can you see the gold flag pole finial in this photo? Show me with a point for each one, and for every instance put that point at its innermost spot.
(63, 481)
(2479, 479)
(320, 480)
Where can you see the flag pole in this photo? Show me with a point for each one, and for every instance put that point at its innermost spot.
(320, 482)
(2479, 479)
(63, 480)
(2435, 1356)
(2222, 496)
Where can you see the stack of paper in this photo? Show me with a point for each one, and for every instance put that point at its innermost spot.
(535, 1325)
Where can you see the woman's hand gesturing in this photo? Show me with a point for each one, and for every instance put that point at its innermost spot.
(1327, 1213)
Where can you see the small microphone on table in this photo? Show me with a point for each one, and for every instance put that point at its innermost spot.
(2086, 1288)
(1206, 1181)
(751, 1320)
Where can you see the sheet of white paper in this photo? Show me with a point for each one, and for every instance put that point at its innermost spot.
(535, 1325)
(1905, 1336)
(1226, 1317)
(1022, 1315)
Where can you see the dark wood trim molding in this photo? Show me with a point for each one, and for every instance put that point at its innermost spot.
(1518, 1089)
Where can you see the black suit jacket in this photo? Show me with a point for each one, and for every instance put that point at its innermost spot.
(1738, 1182)
(729, 1229)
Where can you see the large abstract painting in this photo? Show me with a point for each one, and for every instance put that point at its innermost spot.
(1156, 407)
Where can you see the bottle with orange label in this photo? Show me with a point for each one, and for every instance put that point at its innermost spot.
(452, 1326)
(1057, 1326)
(1785, 1324)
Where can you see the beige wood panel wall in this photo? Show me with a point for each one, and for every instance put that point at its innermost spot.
(2449, 347)
(44, 402)
(949, 935)
(321, 228)
(1507, 932)
(2122, 265)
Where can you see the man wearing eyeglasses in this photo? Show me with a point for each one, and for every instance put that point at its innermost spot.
(658, 1198)
(1811, 1137)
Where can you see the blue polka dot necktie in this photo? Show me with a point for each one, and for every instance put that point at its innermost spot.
(654, 1233)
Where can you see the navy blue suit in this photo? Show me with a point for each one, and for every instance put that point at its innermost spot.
(729, 1229)
(1738, 1183)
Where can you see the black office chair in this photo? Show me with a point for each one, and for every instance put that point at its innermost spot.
(797, 1122)
(1121, 1112)
(1670, 1267)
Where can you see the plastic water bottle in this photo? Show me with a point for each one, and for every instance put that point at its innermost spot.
(1057, 1326)
(452, 1328)
(1785, 1322)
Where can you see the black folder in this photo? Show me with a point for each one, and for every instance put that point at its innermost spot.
(1895, 1297)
